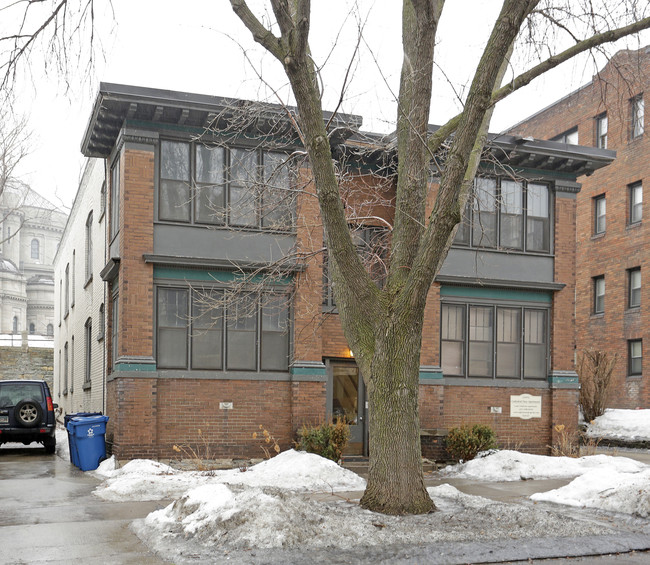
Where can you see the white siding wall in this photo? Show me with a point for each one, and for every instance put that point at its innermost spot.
(80, 396)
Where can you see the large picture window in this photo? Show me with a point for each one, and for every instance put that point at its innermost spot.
(209, 184)
(204, 329)
(494, 341)
(507, 214)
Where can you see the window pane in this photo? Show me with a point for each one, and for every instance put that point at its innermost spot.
(452, 332)
(242, 334)
(535, 344)
(508, 342)
(538, 231)
(462, 234)
(174, 202)
(172, 320)
(243, 206)
(210, 164)
(636, 357)
(484, 220)
(635, 288)
(480, 341)
(243, 166)
(210, 206)
(636, 203)
(278, 201)
(175, 161)
(599, 295)
(275, 332)
(637, 116)
(511, 214)
(207, 329)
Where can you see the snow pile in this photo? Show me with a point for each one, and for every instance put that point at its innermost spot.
(290, 470)
(627, 425)
(605, 489)
(229, 517)
(509, 465)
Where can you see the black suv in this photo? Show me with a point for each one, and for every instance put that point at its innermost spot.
(27, 413)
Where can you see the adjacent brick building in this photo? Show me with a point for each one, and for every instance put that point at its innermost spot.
(219, 312)
(612, 240)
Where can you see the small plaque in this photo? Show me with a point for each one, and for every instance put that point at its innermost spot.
(525, 406)
(226, 406)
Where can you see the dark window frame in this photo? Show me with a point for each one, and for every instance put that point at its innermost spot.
(89, 247)
(601, 132)
(88, 344)
(192, 331)
(567, 136)
(634, 361)
(600, 215)
(634, 290)
(257, 187)
(598, 303)
(635, 204)
(476, 217)
(522, 343)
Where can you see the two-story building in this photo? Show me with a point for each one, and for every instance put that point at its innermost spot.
(219, 313)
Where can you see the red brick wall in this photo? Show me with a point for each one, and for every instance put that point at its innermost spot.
(622, 246)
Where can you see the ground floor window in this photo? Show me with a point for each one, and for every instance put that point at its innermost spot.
(635, 357)
(494, 341)
(214, 329)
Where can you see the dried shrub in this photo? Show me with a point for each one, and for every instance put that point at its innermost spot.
(328, 439)
(465, 442)
(595, 369)
(269, 443)
(199, 455)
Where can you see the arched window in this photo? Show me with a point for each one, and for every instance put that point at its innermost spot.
(15, 325)
(32, 329)
(36, 248)
(50, 330)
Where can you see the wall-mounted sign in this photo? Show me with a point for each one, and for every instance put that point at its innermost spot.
(226, 406)
(525, 406)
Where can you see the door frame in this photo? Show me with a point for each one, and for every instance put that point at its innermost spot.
(330, 363)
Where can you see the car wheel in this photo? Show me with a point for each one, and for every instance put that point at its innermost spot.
(50, 444)
(28, 413)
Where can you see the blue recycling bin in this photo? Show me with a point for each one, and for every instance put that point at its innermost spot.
(87, 435)
(74, 459)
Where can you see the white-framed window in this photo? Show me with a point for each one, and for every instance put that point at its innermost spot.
(35, 249)
(635, 198)
(89, 246)
(88, 347)
(634, 288)
(599, 294)
(638, 111)
(601, 131)
(635, 357)
(570, 136)
(600, 214)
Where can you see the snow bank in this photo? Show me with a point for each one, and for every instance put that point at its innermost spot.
(627, 425)
(607, 490)
(515, 466)
(290, 470)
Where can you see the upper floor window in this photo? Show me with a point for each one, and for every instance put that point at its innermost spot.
(569, 136)
(635, 212)
(225, 186)
(494, 341)
(50, 330)
(66, 296)
(637, 116)
(507, 214)
(204, 329)
(14, 325)
(634, 288)
(89, 246)
(102, 201)
(635, 357)
(88, 345)
(599, 294)
(102, 323)
(601, 131)
(115, 199)
(35, 249)
(600, 209)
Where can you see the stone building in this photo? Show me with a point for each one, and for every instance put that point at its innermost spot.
(214, 323)
(612, 237)
(30, 228)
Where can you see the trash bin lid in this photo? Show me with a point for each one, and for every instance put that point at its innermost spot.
(85, 420)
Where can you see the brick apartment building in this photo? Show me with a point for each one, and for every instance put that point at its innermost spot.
(612, 304)
(219, 314)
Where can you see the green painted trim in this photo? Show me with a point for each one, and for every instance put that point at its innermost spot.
(431, 376)
(563, 380)
(182, 273)
(496, 293)
(536, 173)
(144, 367)
(308, 371)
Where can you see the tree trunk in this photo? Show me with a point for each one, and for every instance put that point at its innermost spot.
(395, 483)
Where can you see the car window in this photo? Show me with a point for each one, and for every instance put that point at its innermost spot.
(12, 393)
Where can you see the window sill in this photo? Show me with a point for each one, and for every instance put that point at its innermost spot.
(598, 316)
(632, 310)
(100, 337)
(634, 225)
(598, 236)
(88, 282)
(65, 316)
(65, 392)
(634, 377)
(87, 386)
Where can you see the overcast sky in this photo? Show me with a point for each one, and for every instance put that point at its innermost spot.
(203, 48)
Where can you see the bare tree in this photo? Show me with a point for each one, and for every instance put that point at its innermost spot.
(384, 325)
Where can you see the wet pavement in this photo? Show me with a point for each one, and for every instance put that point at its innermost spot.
(48, 515)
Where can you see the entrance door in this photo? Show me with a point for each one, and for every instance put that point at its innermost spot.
(348, 398)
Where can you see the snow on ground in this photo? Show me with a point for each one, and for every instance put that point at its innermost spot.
(628, 425)
(290, 470)
(509, 465)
